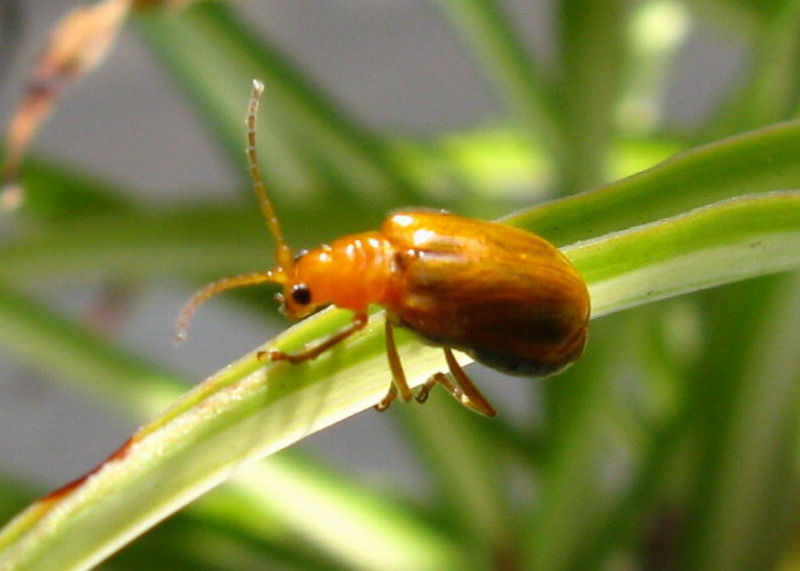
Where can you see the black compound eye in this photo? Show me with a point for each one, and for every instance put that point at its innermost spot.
(301, 295)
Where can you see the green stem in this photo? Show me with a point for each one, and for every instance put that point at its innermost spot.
(489, 33)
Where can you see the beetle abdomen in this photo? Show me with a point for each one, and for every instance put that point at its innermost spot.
(530, 366)
(532, 337)
(503, 295)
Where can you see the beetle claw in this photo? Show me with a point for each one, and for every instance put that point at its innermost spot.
(272, 355)
(423, 393)
(387, 400)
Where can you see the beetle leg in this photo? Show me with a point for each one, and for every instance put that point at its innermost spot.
(358, 323)
(399, 386)
(387, 400)
(425, 390)
(469, 395)
(460, 386)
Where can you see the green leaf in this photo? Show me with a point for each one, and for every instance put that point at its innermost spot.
(250, 410)
(759, 161)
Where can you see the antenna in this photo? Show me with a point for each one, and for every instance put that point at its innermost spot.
(283, 254)
(212, 289)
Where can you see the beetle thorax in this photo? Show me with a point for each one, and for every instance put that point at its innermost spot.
(351, 272)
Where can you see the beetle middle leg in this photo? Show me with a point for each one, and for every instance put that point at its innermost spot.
(459, 385)
(358, 323)
(399, 387)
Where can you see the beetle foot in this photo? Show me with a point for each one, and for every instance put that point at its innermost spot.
(272, 355)
(387, 400)
(422, 393)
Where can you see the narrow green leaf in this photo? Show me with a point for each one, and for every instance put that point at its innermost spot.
(250, 410)
(727, 241)
(760, 161)
(231, 420)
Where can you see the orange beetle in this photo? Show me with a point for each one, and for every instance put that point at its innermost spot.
(506, 297)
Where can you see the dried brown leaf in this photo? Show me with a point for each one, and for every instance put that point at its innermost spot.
(78, 44)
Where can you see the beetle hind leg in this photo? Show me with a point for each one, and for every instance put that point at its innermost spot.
(459, 385)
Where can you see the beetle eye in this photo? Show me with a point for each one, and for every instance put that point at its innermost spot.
(301, 295)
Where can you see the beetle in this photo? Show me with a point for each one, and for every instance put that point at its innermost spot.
(505, 296)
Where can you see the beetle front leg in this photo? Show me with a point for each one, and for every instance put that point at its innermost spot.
(358, 323)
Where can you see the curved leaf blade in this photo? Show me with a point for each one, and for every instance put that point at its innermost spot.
(249, 410)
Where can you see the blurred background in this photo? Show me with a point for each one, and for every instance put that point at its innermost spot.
(396, 66)
(404, 73)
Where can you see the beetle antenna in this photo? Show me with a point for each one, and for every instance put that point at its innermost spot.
(212, 289)
(283, 253)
